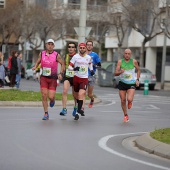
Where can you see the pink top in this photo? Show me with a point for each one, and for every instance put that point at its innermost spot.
(49, 64)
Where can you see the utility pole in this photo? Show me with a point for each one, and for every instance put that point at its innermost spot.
(82, 21)
(164, 48)
(82, 31)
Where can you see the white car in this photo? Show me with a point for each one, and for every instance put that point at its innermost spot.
(29, 73)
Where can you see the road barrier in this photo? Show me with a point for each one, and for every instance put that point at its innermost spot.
(146, 87)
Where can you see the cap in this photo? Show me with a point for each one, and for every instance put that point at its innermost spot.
(50, 41)
(82, 44)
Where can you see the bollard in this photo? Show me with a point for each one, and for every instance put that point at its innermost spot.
(146, 87)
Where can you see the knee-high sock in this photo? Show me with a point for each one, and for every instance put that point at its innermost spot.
(80, 104)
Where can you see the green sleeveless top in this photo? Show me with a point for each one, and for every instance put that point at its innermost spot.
(128, 77)
(67, 62)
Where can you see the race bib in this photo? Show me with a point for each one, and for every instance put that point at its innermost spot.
(127, 76)
(46, 71)
(82, 70)
(69, 73)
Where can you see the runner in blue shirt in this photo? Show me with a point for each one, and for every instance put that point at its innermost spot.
(91, 79)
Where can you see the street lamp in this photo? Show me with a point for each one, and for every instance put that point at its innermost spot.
(163, 57)
(164, 46)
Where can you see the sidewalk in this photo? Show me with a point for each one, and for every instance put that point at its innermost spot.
(166, 86)
(152, 146)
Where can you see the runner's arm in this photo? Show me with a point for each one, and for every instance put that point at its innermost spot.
(97, 65)
(91, 68)
(71, 67)
(118, 71)
(137, 68)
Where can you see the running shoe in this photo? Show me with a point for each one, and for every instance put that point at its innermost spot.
(81, 112)
(76, 116)
(129, 105)
(91, 103)
(74, 111)
(126, 119)
(46, 117)
(52, 103)
(63, 112)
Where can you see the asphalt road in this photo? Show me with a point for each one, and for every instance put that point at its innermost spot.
(98, 141)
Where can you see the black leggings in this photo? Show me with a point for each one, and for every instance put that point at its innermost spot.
(12, 80)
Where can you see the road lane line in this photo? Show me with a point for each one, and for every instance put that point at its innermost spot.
(103, 144)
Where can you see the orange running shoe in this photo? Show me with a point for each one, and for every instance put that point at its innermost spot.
(126, 119)
(91, 103)
(129, 105)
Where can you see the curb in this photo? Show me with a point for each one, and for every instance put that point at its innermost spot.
(39, 103)
(152, 146)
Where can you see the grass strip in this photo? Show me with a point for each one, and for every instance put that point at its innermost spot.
(162, 135)
(17, 95)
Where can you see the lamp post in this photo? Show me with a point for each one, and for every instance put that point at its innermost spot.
(164, 48)
(82, 21)
(163, 62)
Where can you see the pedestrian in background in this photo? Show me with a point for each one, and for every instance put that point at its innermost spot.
(128, 82)
(68, 79)
(14, 68)
(49, 60)
(9, 65)
(18, 76)
(2, 70)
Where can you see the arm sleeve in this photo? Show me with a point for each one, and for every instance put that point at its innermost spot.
(71, 65)
(90, 65)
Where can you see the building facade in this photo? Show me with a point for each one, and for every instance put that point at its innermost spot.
(153, 49)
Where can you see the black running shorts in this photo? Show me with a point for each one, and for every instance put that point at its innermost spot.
(70, 79)
(123, 86)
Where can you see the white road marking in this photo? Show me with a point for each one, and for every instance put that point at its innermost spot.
(112, 111)
(103, 144)
(153, 107)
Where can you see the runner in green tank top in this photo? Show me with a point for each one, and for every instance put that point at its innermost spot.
(128, 80)
(68, 79)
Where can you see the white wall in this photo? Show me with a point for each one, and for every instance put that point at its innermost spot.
(109, 54)
(150, 62)
(167, 71)
(135, 39)
(111, 42)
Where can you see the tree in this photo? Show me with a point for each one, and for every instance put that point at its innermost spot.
(10, 22)
(143, 16)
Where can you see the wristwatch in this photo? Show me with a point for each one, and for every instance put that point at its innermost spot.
(137, 79)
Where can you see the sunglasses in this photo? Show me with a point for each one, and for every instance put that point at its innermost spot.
(82, 48)
(71, 47)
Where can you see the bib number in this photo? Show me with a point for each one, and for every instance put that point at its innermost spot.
(46, 71)
(82, 70)
(69, 73)
(127, 76)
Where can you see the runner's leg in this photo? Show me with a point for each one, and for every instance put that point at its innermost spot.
(122, 94)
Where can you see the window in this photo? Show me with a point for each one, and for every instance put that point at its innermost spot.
(74, 1)
(2, 4)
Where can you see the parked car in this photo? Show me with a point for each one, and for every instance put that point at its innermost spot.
(29, 73)
(145, 75)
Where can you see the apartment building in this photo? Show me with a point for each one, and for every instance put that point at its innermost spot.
(133, 40)
(99, 14)
(96, 18)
